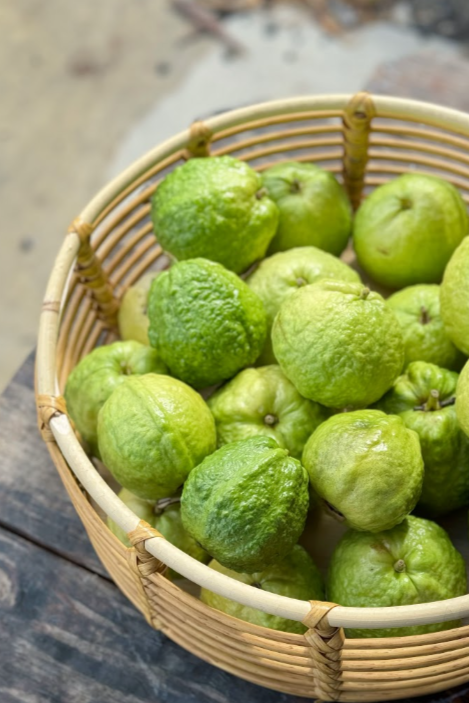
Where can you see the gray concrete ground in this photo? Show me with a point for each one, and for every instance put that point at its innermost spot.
(89, 86)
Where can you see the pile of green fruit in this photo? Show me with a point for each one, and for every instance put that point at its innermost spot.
(259, 379)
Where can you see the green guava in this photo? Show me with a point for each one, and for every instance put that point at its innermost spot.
(164, 516)
(417, 309)
(133, 310)
(406, 231)
(313, 206)
(214, 208)
(205, 322)
(280, 275)
(415, 562)
(462, 399)
(295, 576)
(96, 376)
(424, 397)
(338, 343)
(246, 504)
(152, 431)
(368, 468)
(263, 401)
(454, 297)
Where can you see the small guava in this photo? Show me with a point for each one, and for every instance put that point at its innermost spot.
(295, 576)
(406, 231)
(214, 208)
(424, 397)
(367, 466)
(205, 322)
(133, 310)
(152, 431)
(96, 376)
(246, 504)
(417, 309)
(262, 401)
(415, 562)
(313, 207)
(338, 343)
(454, 297)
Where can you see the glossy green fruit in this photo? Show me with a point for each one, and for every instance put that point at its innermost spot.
(96, 376)
(152, 431)
(338, 343)
(368, 468)
(246, 504)
(205, 322)
(313, 206)
(424, 397)
(263, 401)
(133, 311)
(296, 576)
(214, 208)
(414, 562)
(280, 275)
(462, 399)
(417, 309)
(406, 231)
(454, 297)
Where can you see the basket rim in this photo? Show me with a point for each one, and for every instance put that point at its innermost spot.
(47, 384)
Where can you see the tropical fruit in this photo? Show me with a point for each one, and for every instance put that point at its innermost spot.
(205, 322)
(368, 468)
(454, 297)
(214, 208)
(338, 343)
(462, 399)
(417, 309)
(424, 398)
(133, 310)
(96, 376)
(406, 231)
(313, 207)
(295, 576)
(246, 504)
(263, 401)
(415, 562)
(152, 431)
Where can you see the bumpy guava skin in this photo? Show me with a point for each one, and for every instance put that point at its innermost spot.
(368, 468)
(205, 322)
(133, 310)
(425, 399)
(406, 231)
(454, 297)
(313, 206)
(246, 504)
(152, 431)
(96, 376)
(415, 562)
(295, 576)
(214, 208)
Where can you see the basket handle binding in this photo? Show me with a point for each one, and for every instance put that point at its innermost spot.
(356, 120)
(326, 644)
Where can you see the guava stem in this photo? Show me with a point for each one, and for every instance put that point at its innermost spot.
(256, 584)
(399, 566)
(364, 293)
(163, 503)
(295, 186)
(260, 193)
(300, 281)
(433, 402)
(270, 419)
(424, 318)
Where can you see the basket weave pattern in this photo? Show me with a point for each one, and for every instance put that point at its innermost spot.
(365, 141)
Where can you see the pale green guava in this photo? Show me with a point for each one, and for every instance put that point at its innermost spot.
(454, 297)
(462, 400)
(133, 310)
(295, 576)
(214, 208)
(415, 562)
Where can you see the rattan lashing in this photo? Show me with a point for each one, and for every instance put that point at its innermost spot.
(365, 140)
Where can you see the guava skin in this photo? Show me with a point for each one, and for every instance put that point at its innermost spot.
(338, 343)
(246, 504)
(214, 208)
(454, 297)
(263, 401)
(415, 562)
(205, 322)
(417, 309)
(280, 275)
(367, 466)
(313, 206)
(133, 316)
(424, 398)
(152, 431)
(296, 576)
(462, 400)
(96, 376)
(143, 509)
(406, 231)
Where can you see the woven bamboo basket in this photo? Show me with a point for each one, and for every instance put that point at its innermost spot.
(365, 140)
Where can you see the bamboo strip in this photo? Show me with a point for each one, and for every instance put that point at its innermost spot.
(299, 146)
(143, 243)
(420, 146)
(283, 118)
(407, 131)
(116, 231)
(274, 136)
(281, 147)
(424, 670)
(430, 638)
(417, 159)
(395, 683)
(408, 663)
(374, 167)
(350, 656)
(365, 695)
(127, 250)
